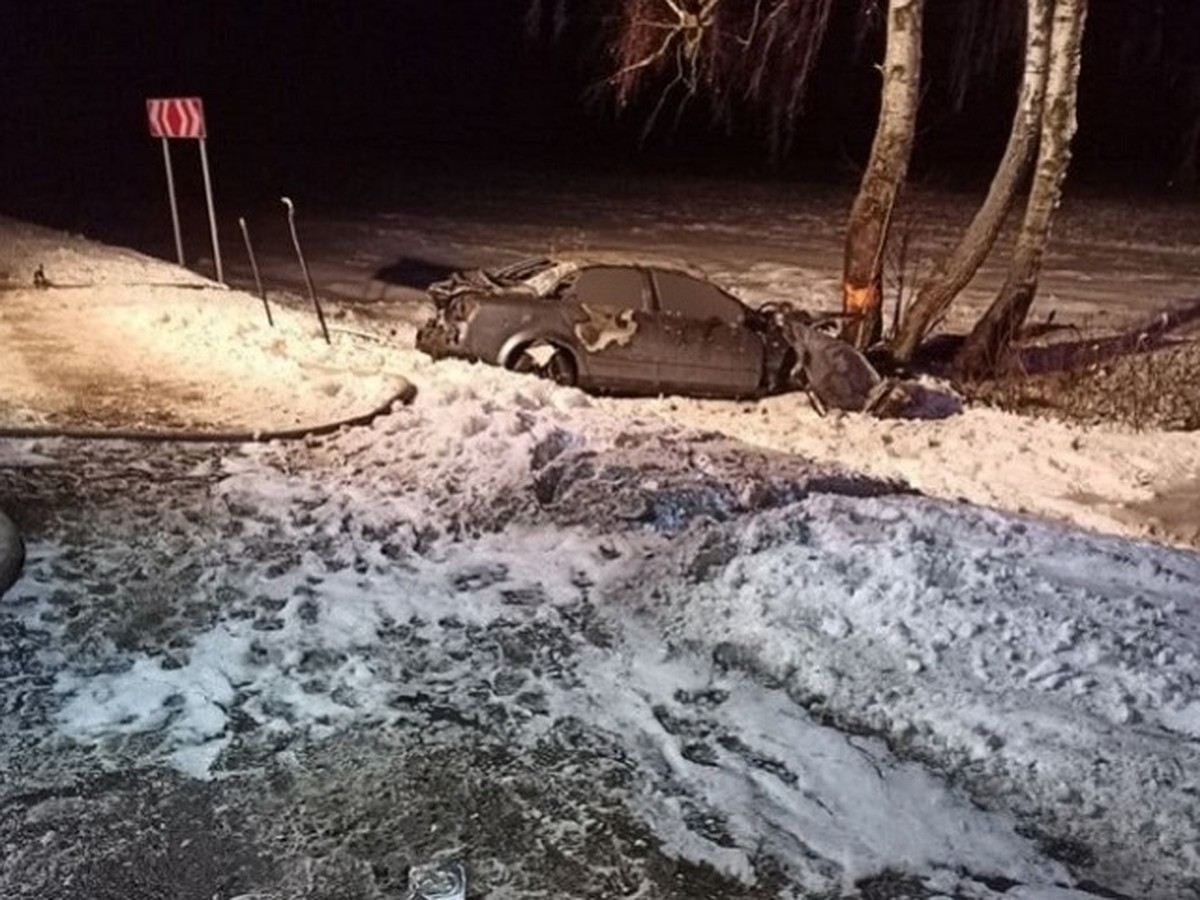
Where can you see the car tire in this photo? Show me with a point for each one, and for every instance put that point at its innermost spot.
(560, 367)
(523, 363)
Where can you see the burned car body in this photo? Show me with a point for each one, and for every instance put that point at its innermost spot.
(613, 327)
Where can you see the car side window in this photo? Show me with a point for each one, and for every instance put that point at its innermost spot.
(614, 287)
(683, 295)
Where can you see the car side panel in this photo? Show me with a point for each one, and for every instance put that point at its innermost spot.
(609, 324)
(490, 321)
(600, 338)
(708, 347)
(710, 357)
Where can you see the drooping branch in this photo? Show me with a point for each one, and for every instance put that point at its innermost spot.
(738, 54)
(750, 62)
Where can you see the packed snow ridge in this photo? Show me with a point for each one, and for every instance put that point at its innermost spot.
(799, 664)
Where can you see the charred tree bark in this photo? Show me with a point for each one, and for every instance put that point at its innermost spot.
(991, 336)
(955, 271)
(871, 213)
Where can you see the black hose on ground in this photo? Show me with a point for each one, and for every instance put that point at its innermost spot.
(404, 396)
(12, 547)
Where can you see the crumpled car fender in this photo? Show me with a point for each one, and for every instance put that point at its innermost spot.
(830, 369)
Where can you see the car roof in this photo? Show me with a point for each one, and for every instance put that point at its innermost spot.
(566, 263)
(641, 260)
(541, 276)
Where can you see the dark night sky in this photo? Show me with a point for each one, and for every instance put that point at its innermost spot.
(300, 87)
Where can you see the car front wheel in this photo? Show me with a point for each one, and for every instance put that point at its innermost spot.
(561, 369)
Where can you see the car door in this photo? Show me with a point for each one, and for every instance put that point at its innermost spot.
(708, 348)
(611, 309)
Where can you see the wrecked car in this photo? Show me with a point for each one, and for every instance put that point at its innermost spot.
(634, 328)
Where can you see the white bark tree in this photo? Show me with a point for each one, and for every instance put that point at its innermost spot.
(955, 271)
(871, 214)
(981, 353)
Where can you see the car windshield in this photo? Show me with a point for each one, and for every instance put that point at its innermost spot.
(520, 270)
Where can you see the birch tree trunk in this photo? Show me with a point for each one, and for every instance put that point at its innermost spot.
(993, 333)
(955, 270)
(871, 213)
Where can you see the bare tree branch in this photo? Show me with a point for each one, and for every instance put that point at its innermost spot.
(741, 55)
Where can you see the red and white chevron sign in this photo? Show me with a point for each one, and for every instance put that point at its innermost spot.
(176, 117)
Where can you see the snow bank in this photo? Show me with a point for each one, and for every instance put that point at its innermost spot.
(708, 609)
(117, 339)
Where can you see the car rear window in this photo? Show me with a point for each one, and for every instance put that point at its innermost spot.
(682, 294)
(618, 287)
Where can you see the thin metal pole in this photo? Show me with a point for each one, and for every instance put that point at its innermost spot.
(254, 268)
(312, 293)
(174, 206)
(212, 216)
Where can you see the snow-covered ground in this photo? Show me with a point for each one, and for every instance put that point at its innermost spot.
(654, 648)
(118, 338)
(1113, 263)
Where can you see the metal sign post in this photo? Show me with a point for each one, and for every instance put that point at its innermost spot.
(174, 205)
(254, 268)
(312, 292)
(183, 117)
(212, 216)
